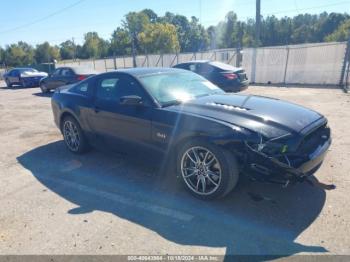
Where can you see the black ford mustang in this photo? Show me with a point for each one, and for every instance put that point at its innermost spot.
(212, 137)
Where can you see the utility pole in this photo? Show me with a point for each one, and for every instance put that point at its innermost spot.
(75, 49)
(200, 11)
(257, 40)
(257, 24)
(240, 45)
(133, 37)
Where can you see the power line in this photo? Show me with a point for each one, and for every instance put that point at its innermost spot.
(43, 18)
(308, 8)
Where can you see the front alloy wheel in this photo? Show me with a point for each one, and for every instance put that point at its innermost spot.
(207, 170)
(71, 135)
(23, 83)
(201, 170)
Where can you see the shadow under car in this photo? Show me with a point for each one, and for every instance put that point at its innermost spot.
(255, 219)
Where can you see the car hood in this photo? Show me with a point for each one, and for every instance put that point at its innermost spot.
(269, 116)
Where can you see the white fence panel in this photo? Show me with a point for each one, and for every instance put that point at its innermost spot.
(270, 65)
(99, 65)
(169, 60)
(110, 64)
(154, 60)
(120, 62)
(186, 57)
(320, 64)
(248, 54)
(141, 61)
(296, 64)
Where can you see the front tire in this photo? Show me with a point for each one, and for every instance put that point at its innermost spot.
(207, 171)
(73, 135)
(23, 83)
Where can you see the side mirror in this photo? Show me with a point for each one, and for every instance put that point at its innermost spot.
(131, 100)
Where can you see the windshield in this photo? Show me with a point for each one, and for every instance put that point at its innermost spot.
(170, 88)
(28, 70)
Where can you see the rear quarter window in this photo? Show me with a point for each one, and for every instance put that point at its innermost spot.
(82, 88)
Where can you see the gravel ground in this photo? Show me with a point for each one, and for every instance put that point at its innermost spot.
(53, 202)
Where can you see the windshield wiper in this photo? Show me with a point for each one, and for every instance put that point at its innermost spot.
(203, 95)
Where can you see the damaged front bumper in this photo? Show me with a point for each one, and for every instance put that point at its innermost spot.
(286, 168)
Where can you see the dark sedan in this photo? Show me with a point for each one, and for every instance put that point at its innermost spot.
(212, 137)
(25, 77)
(65, 76)
(227, 77)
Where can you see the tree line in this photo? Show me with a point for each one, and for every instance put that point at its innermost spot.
(145, 32)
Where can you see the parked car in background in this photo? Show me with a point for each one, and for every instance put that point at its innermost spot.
(25, 77)
(212, 137)
(65, 76)
(225, 76)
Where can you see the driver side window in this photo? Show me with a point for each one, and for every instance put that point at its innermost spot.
(56, 72)
(113, 87)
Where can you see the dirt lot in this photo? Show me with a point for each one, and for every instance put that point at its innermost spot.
(53, 202)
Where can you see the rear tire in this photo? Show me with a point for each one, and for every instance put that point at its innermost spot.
(73, 135)
(207, 171)
(43, 88)
(8, 83)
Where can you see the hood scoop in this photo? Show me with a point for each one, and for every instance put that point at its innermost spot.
(228, 107)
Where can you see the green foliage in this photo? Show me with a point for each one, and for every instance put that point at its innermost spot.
(150, 33)
(341, 34)
(120, 42)
(94, 46)
(2, 55)
(159, 38)
(18, 54)
(68, 50)
(45, 53)
(198, 38)
(152, 16)
(191, 35)
(303, 28)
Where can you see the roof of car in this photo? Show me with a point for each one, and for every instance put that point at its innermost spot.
(22, 68)
(80, 69)
(142, 71)
(196, 62)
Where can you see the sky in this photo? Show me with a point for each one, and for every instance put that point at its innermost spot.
(37, 21)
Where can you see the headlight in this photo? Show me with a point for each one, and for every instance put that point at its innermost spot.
(275, 146)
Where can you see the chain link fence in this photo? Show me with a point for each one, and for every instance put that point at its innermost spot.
(305, 64)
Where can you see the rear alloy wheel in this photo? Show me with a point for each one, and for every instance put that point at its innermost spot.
(207, 171)
(8, 83)
(73, 136)
(44, 88)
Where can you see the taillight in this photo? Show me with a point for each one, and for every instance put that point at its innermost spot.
(230, 76)
(81, 77)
